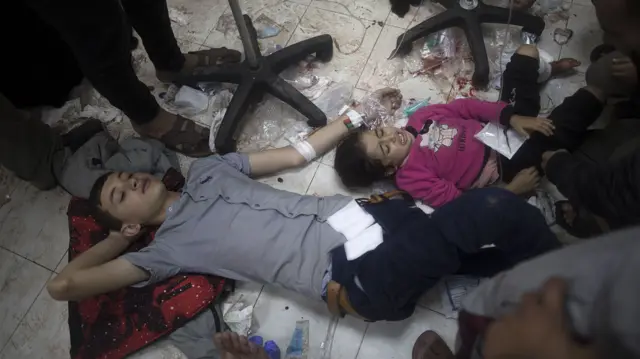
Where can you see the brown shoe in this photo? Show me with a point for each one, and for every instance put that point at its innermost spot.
(430, 345)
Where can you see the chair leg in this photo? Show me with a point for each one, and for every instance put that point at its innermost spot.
(289, 95)
(439, 22)
(226, 137)
(498, 15)
(473, 31)
(321, 45)
(253, 36)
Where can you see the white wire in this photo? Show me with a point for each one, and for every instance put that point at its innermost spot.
(507, 37)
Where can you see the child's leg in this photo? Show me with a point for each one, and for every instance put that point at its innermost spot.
(495, 216)
(520, 87)
(571, 119)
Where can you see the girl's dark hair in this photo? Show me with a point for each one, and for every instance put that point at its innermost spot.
(354, 167)
(103, 218)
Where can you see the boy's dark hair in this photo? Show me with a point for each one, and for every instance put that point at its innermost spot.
(103, 218)
(354, 167)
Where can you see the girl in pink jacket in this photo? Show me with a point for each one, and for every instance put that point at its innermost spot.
(437, 157)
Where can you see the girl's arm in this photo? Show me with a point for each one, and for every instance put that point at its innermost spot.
(466, 108)
(428, 187)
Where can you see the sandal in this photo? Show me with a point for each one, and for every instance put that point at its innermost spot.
(208, 57)
(187, 138)
(430, 345)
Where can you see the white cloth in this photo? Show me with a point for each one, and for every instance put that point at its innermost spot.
(360, 229)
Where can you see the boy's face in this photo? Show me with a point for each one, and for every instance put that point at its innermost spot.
(390, 145)
(133, 198)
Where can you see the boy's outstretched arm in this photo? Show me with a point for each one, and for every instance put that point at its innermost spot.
(278, 159)
(324, 139)
(96, 271)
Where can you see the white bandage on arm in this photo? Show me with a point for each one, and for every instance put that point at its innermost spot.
(306, 150)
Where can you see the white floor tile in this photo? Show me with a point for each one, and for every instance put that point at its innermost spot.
(586, 34)
(160, 350)
(20, 283)
(327, 183)
(556, 90)
(353, 41)
(375, 10)
(379, 71)
(63, 262)
(8, 183)
(546, 42)
(278, 310)
(44, 332)
(394, 340)
(284, 14)
(36, 226)
(245, 292)
(193, 20)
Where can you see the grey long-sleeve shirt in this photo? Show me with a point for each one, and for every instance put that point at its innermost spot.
(229, 225)
(603, 301)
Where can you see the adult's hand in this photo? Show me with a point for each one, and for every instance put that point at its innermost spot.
(525, 181)
(624, 70)
(526, 125)
(537, 329)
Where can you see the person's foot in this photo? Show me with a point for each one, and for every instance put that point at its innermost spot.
(563, 66)
(195, 59)
(430, 345)
(178, 134)
(234, 346)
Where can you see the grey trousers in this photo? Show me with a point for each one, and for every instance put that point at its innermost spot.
(28, 147)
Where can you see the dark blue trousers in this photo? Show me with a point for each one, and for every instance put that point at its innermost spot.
(419, 249)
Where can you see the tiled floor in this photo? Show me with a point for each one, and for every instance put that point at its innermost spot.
(33, 229)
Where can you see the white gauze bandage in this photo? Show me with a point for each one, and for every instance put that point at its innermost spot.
(306, 150)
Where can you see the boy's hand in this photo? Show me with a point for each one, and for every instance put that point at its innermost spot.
(526, 125)
(537, 329)
(624, 70)
(525, 181)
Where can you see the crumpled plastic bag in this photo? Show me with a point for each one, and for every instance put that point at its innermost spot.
(239, 317)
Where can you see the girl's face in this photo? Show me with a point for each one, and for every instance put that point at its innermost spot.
(390, 145)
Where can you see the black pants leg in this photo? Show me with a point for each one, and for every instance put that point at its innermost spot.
(495, 216)
(150, 19)
(28, 146)
(99, 36)
(571, 118)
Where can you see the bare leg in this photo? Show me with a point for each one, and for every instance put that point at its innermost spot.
(234, 346)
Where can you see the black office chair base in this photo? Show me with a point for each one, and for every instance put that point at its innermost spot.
(469, 20)
(254, 81)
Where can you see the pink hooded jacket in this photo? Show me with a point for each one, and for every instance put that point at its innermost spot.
(446, 158)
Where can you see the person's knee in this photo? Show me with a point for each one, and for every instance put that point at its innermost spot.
(528, 50)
